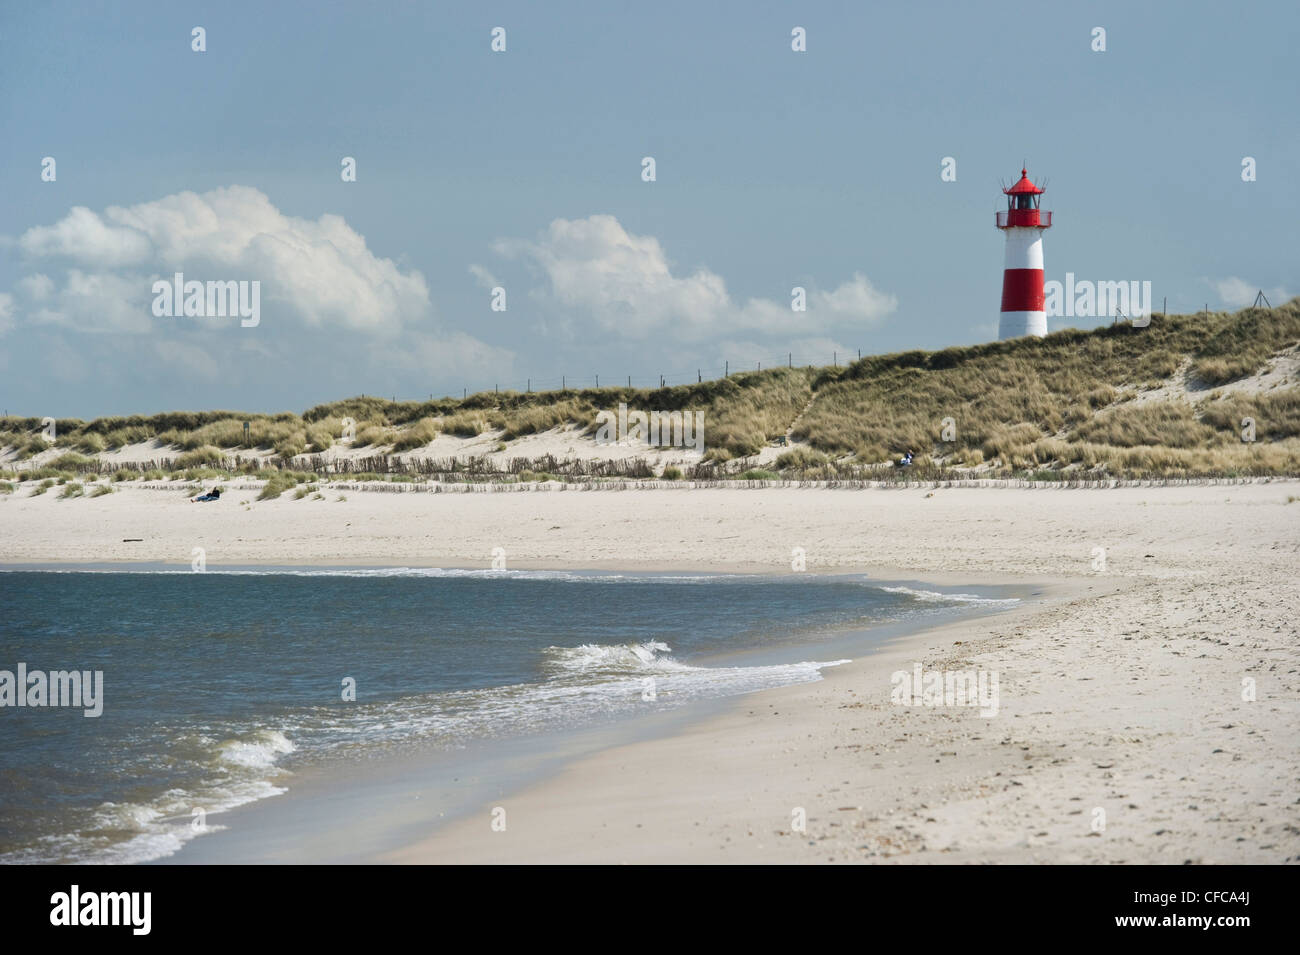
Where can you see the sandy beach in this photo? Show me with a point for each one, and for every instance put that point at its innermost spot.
(1126, 730)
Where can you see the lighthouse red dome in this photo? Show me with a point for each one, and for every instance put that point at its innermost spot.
(1024, 186)
(1023, 200)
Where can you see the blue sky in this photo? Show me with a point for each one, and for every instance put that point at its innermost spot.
(522, 169)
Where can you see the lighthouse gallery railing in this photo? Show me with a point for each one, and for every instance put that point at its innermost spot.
(1025, 217)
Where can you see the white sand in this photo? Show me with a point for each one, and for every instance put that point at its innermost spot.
(1121, 692)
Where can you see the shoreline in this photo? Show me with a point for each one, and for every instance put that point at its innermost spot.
(412, 789)
(568, 800)
(1122, 705)
(885, 575)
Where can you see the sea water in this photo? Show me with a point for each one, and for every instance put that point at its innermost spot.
(217, 685)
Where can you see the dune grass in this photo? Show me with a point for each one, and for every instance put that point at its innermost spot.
(1068, 399)
(276, 486)
(205, 454)
(801, 459)
(416, 436)
(1075, 400)
(277, 482)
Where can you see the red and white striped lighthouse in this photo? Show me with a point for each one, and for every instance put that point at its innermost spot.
(1023, 302)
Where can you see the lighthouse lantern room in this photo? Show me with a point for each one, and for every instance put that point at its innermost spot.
(1023, 301)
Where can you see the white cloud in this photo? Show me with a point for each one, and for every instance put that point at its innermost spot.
(626, 284)
(36, 287)
(623, 280)
(856, 299)
(314, 272)
(84, 237)
(1238, 293)
(6, 312)
(96, 302)
(484, 277)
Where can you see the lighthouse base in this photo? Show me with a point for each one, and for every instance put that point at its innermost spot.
(1020, 324)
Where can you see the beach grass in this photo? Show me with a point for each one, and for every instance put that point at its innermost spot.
(1180, 397)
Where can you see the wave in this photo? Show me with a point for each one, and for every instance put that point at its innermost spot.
(234, 772)
(228, 769)
(257, 752)
(177, 765)
(933, 596)
(630, 658)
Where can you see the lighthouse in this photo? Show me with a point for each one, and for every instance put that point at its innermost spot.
(1023, 303)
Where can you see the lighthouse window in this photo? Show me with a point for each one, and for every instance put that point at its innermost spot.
(1024, 202)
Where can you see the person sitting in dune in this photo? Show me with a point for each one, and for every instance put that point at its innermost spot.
(906, 460)
(212, 495)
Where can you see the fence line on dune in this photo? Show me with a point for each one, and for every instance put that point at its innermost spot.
(566, 382)
(650, 382)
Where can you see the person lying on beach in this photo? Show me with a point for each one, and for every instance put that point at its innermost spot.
(210, 496)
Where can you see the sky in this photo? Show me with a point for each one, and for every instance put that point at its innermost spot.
(522, 171)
